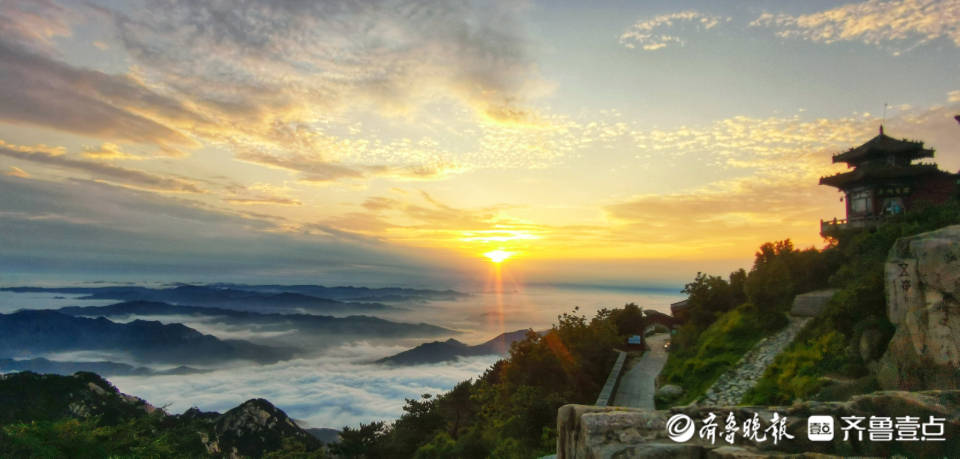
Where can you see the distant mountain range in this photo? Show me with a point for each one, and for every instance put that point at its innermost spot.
(280, 298)
(41, 365)
(217, 297)
(451, 349)
(350, 293)
(34, 332)
(304, 326)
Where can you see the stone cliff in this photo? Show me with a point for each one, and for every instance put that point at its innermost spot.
(922, 276)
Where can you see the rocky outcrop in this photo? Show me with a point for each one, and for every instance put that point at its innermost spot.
(26, 397)
(254, 427)
(604, 432)
(922, 277)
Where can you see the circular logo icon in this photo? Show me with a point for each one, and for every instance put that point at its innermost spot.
(680, 428)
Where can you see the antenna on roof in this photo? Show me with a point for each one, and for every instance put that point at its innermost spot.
(883, 119)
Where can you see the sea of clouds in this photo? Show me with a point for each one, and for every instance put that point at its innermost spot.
(334, 390)
(338, 384)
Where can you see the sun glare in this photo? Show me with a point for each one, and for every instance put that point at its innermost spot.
(498, 256)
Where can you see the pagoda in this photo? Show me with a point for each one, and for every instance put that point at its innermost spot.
(885, 181)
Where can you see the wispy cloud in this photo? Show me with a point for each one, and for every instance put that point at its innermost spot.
(660, 31)
(17, 172)
(109, 151)
(102, 171)
(895, 24)
(41, 91)
(173, 237)
(267, 61)
(35, 23)
(261, 193)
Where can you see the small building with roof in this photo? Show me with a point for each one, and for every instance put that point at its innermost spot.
(885, 181)
(680, 310)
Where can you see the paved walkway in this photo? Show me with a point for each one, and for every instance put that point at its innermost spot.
(637, 382)
(732, 385)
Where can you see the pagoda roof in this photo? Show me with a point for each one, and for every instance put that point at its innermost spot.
(883, 145)
(863, 174)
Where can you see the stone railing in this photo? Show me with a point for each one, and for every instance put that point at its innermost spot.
(828, 227)
(610, 387)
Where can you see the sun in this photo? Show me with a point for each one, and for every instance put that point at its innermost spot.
(498, 256)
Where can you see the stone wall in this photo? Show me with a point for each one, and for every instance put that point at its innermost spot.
(610, 387)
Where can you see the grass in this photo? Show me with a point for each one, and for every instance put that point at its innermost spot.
(718, 349)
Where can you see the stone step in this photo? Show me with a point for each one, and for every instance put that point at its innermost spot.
(732, 385)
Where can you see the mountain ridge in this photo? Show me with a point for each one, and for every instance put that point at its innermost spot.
(312, 323)
(44, 331)
(451, 349)
(86, 401)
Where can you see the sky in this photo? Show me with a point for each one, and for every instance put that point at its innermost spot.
(395, 142)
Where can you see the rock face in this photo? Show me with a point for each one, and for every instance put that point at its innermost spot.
(604, 432)
(922, 277)
(254, 427)
(26, 397)
(811, 303)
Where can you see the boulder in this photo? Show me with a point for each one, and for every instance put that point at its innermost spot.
(811, 303)
(668, 393)
(922, 283)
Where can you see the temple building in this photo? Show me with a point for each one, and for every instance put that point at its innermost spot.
(885, 181)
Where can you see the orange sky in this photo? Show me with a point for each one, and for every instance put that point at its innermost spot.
(611, 143)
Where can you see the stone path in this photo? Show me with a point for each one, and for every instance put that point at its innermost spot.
(637, 382)
(730, 387)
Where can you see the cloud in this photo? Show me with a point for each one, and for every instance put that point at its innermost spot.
(97, 231)
(311, 169)
(17, 172)
(273, 60)
(35, 23)
(422, 215)
(261, 193)
(895, 23)
(109, 151)
(101, 171)
(40, 91)
(276, 81)
(332, 391)
(654, 33)
(265, 200)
